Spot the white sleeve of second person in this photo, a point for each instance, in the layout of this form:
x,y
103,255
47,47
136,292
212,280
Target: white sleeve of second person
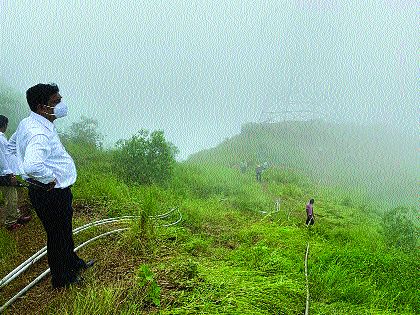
x,y
37,151
11,156
4,165
11,146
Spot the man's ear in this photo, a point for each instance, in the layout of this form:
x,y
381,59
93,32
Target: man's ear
x,y
38,108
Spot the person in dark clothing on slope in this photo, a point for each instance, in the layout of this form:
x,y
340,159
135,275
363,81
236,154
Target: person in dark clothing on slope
x,y
310,213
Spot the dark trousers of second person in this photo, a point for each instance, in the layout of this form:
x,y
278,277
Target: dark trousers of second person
x,y
310,220
54,209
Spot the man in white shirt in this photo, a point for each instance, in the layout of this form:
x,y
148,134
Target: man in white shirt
x,y
11,217
50,172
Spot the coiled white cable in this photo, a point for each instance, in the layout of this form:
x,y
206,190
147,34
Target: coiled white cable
x,y
42,252
42,275
37,256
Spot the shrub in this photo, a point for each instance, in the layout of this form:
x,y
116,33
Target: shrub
x,y
12,105
181,273
146,281
284,176
84,132
399,228
145,158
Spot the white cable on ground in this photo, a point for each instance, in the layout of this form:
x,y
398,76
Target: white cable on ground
x,y
165,215
277,206
42,252
307,282
176,222
42,275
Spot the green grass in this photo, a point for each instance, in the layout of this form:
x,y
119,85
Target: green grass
x,y
228,258
7,249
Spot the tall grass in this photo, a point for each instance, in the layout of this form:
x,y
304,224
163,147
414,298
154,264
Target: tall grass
x,y
7,250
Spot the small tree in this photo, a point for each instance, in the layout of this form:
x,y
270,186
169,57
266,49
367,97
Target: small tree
x,y
145,158
13,106
85,132
399,228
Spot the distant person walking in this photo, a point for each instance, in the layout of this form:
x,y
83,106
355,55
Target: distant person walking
x,y
310,213
258,172
10,217
50,172
243,166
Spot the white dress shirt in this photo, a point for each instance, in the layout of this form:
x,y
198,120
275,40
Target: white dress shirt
x,y
5,167
40,153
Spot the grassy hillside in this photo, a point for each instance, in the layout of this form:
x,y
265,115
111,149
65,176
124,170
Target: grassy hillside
x,y
227,256
378,161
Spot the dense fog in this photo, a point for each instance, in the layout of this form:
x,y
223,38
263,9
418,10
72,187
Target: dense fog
x,y
199,70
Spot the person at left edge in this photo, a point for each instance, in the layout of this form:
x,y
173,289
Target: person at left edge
x,y
50,172
11,218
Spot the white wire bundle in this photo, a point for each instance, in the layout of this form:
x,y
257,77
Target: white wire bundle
x,y
42,252
42,275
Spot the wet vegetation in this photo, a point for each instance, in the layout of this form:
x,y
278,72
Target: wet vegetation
x,y
378,162
230,254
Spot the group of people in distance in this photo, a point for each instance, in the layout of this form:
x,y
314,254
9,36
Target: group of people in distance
x,y
309,206
35,153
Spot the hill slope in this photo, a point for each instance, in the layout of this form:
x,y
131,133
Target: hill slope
x,y
229,254
373,160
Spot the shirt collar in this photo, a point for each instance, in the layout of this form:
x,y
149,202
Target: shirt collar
x,y
44,121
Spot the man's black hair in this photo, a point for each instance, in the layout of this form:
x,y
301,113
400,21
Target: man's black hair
x,y
311,201
40,94
3,121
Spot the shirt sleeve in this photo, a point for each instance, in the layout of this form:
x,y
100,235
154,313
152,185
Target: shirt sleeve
x,y
309,209
11,155
4,165
11,146
37,151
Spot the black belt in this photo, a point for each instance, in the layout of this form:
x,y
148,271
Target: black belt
x,y
36,184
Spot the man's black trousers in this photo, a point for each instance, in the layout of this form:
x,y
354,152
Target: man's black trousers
x,y
54,209
310,220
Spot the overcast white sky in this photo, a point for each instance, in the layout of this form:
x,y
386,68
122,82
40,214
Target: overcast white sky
x,y
199,69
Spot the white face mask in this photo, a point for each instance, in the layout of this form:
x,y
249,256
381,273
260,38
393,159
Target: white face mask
x,y
60,110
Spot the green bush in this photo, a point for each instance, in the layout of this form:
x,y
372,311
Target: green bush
x,y
146,281
84,132
145,158
182,273
284,176
399,228
12,105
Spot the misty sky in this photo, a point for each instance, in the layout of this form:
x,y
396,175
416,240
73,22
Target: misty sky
x,y
199,69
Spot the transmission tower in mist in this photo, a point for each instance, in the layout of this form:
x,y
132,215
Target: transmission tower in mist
x,y
286,111
296,104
